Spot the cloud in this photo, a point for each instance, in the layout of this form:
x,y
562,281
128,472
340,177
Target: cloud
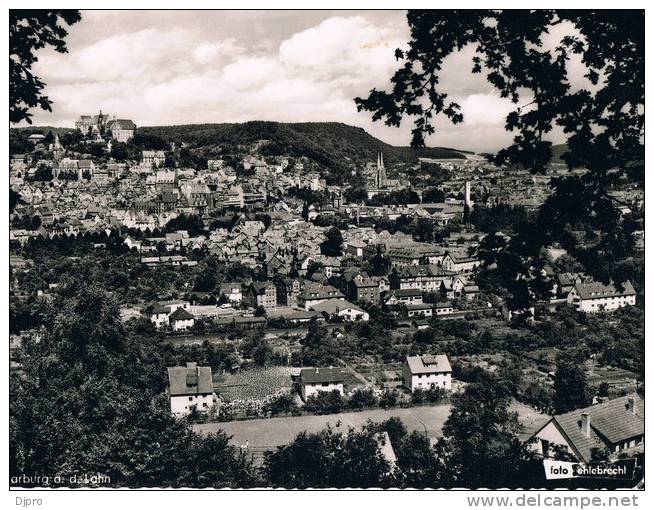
x,y
210,51
182,73
175,75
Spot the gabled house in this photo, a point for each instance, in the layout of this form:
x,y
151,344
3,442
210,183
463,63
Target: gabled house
x,y
231,291
263,294
288,291
181,320
427,372
342,309
617,425
314,293
315,380
460,263
190,388
403,296
364,288
596,297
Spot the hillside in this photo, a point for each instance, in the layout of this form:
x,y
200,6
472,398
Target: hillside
x,y
334,146
330,144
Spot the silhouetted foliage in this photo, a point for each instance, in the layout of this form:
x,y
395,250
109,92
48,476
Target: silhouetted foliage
x,y
29,31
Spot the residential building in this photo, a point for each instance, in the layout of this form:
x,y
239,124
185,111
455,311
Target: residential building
x,y
403,296
263,294
153,159
419,310
231,291
594,297
363,288
341,308
443,308
427,277
315,380
314,293
617,425
427,372
460,263
190,388
181,320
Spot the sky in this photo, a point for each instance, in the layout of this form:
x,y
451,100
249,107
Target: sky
x,y
186,67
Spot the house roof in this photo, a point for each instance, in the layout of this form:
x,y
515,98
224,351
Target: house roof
x,y
419,306
597,290
155,309
321,375
262,287
122,124
332,306
405,292
313,290
423,270
610,423
180,315
189,380
429,364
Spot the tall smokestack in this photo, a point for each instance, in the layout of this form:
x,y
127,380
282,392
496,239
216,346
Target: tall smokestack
x,y
467,194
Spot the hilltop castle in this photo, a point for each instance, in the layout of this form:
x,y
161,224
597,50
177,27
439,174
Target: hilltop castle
x,y
97,125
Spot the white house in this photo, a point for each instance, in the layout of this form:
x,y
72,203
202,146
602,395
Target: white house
x,y
315,380
419,310
153,159
617,425
443,308
232,292
341,308
157,314
160,313
596,297
181,320
190,388
121,129
427,372
459,264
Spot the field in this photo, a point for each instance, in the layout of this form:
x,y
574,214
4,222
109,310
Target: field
x,y
254,383
268,433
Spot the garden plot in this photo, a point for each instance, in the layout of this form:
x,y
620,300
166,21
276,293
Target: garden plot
x,y
253,384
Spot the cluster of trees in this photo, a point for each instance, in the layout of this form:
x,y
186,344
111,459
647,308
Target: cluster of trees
x,y
87,383
502,217
480,447
400,197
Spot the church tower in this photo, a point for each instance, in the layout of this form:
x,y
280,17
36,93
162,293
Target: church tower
x,y
380,180
57,149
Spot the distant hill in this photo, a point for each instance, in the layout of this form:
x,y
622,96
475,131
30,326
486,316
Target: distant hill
x,y
334,146
44,129
327,143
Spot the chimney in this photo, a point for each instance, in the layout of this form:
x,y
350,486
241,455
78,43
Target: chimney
x,y
191,364
585,424
631,405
